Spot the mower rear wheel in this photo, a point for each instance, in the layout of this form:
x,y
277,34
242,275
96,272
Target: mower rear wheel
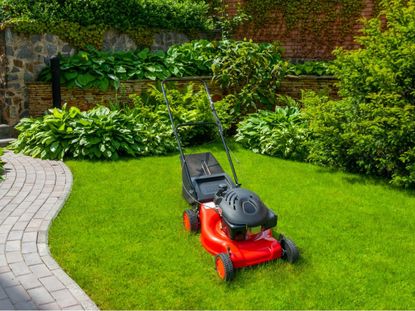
x,y
290,251
224,267
190,220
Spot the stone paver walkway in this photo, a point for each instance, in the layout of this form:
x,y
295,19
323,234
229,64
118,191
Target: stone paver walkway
x,y
31,195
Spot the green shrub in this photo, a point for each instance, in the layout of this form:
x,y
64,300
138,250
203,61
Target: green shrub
x,y
188,104
317,68
96,69
117,14
282,133
104,133
192,58
250,72
372,130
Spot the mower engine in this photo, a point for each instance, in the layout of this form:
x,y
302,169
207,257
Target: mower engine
x,y
243,213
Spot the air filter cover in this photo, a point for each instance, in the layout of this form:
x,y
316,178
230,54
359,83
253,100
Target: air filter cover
x,y
243,207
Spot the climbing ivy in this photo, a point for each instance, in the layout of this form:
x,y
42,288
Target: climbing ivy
x,y
327,20
83,23
308,13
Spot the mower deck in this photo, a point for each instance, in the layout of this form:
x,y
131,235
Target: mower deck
x,y
259,248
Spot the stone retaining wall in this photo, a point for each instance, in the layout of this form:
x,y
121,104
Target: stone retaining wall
x,y
3,68
22,57
40,94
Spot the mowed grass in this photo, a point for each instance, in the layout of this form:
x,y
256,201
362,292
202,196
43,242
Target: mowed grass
x,y
120,237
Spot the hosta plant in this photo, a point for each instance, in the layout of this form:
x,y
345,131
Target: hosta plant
x,y
282,133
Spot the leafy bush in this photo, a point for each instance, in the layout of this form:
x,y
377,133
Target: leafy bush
x,y
95,69
282,133
373,129
192,58
104,133
250,72
100,133
317,68
118,14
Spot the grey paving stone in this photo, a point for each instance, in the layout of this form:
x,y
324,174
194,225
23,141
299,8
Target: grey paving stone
x,y
50,262
29,281
15,235
20,225
17,294
26,305
76,307
32,259
40,295
63,277
29,236
52,284
29,247
4,268
64,298
2,293
13,257
5,304
8,279
42,249
10,220
12,246
40,270
49,306
19,268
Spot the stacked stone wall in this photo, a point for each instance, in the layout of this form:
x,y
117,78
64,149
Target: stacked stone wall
x,y
22,57
3,68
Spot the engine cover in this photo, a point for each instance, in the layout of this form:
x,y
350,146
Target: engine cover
x,y
242,209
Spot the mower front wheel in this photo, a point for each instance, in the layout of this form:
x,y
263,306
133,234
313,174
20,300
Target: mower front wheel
x,y
224,267
290,251
190,220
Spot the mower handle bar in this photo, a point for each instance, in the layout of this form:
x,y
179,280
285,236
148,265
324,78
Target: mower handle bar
x,y
214,113
193,123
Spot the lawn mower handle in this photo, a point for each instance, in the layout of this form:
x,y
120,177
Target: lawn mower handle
x,y
214,113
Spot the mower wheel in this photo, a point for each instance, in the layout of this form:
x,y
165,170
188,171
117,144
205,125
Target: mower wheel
x,y
190,220
224,267
290,251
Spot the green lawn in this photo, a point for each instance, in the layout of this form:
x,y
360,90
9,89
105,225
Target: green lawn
x,y
120,237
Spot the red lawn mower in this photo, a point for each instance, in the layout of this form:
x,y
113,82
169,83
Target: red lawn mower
x,y
235,225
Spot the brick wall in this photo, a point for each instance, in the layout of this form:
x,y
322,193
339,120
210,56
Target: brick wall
x,y
303,44
293,85
40,94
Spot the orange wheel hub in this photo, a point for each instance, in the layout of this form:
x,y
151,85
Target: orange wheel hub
x,y
220,268
186,222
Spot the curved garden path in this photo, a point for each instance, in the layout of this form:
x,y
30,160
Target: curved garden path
x,y
31,195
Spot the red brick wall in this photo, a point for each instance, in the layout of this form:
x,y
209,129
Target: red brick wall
x,y
293,85
40,94
303,44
